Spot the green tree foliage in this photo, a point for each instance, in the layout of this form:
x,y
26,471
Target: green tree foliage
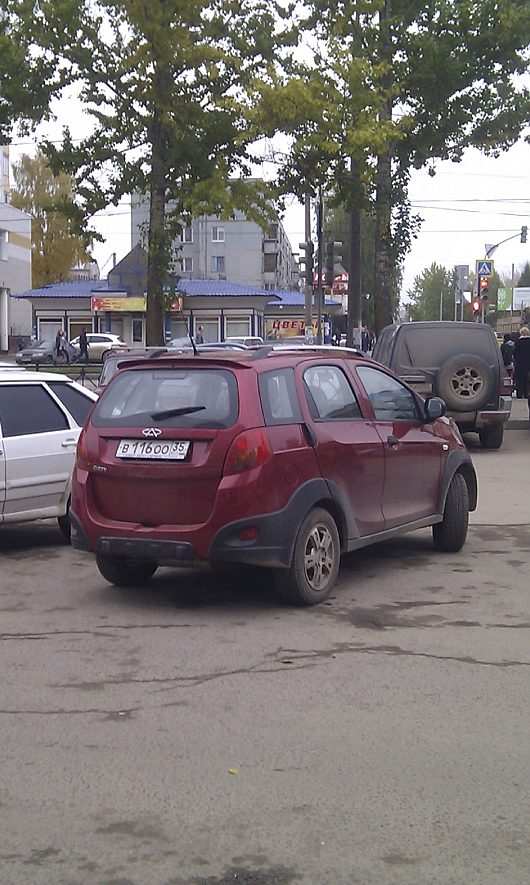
x,y
432,296
29,78
166,84
400,84
46,197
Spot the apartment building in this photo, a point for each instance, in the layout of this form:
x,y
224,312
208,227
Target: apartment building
x,y
15,262
235,249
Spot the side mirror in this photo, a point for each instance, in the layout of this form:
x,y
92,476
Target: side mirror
x,y
434,408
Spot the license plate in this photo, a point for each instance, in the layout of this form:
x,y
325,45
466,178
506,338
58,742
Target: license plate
x,y
171,450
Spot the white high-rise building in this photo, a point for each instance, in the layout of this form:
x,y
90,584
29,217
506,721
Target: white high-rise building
x,y
15,262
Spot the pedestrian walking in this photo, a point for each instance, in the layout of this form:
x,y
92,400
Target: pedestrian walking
x,y
199,338
58,339
63,355
83,346
522,364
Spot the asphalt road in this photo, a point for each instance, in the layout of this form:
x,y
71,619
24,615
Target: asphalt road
x,y
199,732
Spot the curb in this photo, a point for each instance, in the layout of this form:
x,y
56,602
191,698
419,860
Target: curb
x,y
516,424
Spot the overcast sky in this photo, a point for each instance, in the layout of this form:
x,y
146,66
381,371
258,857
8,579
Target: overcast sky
x,y
465,206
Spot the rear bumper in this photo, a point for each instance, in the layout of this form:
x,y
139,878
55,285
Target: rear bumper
x,y
483,417
275,535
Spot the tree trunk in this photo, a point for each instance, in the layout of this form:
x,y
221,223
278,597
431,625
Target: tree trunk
x,y
157,253
382,277
383,199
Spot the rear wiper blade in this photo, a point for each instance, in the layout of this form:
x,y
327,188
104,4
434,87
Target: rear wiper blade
x,y
173,413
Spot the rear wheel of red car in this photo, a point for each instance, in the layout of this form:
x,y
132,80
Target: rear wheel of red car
x,y
316,560
125,572
450,534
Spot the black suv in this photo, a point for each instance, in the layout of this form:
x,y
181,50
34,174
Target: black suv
x,y
458,361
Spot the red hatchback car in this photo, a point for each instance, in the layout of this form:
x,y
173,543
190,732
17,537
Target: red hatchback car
x,y
275,457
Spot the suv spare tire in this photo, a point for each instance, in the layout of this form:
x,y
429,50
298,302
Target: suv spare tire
x,y
464,382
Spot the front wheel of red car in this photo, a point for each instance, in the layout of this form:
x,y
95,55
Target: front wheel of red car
x,y
450,534
316,560
125,572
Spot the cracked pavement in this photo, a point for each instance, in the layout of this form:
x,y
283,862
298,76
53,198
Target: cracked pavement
x,y
197,730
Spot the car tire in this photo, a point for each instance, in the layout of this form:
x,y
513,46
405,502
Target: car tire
x,y
316,559
491,437
125,572
450,534
464,382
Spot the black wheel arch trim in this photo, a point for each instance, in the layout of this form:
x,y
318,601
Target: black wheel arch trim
x,y
277,531
459,462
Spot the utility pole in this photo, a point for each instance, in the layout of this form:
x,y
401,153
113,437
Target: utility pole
x,y
319,293
308,288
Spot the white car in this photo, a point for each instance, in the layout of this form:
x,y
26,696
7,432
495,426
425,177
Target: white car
x,y
248,341
41,415
99,343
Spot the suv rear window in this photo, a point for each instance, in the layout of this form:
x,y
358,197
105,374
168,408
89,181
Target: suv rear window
x,y
170,397
432,347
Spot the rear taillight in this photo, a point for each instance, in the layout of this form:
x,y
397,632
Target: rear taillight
x,y
81,460
250,449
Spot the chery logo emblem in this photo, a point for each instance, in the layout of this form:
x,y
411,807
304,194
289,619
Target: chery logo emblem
x,y
151,431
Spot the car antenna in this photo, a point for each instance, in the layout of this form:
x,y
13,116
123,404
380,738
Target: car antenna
x,y
190,336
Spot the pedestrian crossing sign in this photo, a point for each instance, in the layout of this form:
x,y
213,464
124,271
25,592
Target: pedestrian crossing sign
x,y
484,267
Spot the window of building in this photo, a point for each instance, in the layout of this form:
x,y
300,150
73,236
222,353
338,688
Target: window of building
x,y
186,264
186,235
273,231
270,262
218,234
218,264
210,328
237,327
4,240
137,331
5,165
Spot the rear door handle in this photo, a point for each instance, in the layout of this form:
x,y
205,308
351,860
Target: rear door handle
x,y
392,440
68,443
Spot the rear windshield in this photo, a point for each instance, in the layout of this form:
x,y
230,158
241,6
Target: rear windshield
x,y
431,347
169,398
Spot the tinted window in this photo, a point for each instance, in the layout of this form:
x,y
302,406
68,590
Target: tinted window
x,y
390,400
278,397
432,347
29,409
76,402
329,395
169,397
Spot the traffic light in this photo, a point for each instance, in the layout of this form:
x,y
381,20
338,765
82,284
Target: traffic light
x,y
484,288
306,262
331,260
476,306
524,231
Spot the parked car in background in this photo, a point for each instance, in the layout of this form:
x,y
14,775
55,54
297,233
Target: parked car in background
x,y
248,341
41,415
99,343
114,358
277,458
43,353
460,362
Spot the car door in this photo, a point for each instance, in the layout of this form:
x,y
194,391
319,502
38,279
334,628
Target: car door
x,y
413,451
38,450
349,448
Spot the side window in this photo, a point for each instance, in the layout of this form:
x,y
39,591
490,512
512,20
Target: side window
x,y
278,397
76,402
329,395
390,400
26,409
